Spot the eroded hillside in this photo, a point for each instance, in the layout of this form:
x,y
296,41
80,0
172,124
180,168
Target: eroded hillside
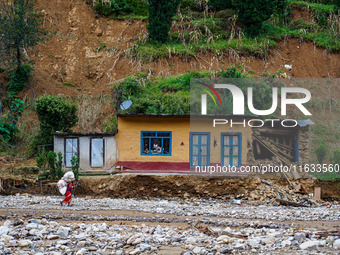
x,y
91,52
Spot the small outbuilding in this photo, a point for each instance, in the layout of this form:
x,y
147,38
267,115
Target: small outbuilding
x,y
94,150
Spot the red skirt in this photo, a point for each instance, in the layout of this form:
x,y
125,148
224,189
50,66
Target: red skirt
x,y
68,197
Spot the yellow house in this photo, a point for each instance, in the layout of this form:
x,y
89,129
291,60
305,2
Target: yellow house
x,y
180,142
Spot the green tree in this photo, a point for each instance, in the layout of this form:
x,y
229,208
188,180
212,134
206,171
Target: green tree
x,y
20,28
54,114
161,13
252,14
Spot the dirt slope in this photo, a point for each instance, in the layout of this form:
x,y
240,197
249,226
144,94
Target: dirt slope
x,y
168,186
72,53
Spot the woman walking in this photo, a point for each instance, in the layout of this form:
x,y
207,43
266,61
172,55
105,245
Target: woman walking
x,y
69,179
68,194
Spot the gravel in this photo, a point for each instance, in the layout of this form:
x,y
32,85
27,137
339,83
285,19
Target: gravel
x,y
184,226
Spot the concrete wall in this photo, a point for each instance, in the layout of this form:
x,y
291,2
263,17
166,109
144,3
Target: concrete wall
x,y
84,152
110,151
111,154
129,138
58,143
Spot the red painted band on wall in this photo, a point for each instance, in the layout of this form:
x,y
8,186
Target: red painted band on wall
x,y
144,165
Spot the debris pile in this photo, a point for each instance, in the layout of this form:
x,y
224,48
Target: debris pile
x,y
271,193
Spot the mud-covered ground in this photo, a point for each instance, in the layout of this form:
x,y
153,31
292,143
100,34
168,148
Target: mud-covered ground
x,y
39,225
181,186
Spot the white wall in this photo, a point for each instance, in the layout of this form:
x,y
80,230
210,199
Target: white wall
x,y
58,143
111,155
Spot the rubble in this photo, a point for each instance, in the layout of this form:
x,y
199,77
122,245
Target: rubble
x,y
269,192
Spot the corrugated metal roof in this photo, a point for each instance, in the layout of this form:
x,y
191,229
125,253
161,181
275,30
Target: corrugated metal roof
x,y
304,123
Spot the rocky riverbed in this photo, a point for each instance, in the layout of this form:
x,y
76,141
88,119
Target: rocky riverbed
x,y
39,225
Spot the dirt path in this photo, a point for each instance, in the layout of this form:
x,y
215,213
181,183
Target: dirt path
x,y
165,220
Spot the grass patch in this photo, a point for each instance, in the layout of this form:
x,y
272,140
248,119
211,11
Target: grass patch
x,y
315,7
130,17
327,176
217,33
172,95
156,95
257,46
151,52
101,47
69,84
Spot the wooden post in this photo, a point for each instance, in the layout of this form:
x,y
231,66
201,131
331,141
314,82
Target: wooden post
x,y
317,192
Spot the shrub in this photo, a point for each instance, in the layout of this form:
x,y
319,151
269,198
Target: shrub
x,y
113,7
196,6
51,160
54,114
139,7
50,165
111,125
8,127
161,13
59,165
252,14
7,131
320,151
7,149
231,72
18,78
221,4
177,103
75,167
281,6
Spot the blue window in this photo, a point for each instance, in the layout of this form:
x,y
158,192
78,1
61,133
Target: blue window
x,y
231,149
199,149
156,143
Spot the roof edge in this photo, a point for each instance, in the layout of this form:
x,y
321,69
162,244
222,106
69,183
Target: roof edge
x,y
83,134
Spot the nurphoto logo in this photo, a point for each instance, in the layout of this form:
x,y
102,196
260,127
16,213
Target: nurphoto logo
x,y
280,96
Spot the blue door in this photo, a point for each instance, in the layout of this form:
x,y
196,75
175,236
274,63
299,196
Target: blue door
x,y
231,149
199,149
